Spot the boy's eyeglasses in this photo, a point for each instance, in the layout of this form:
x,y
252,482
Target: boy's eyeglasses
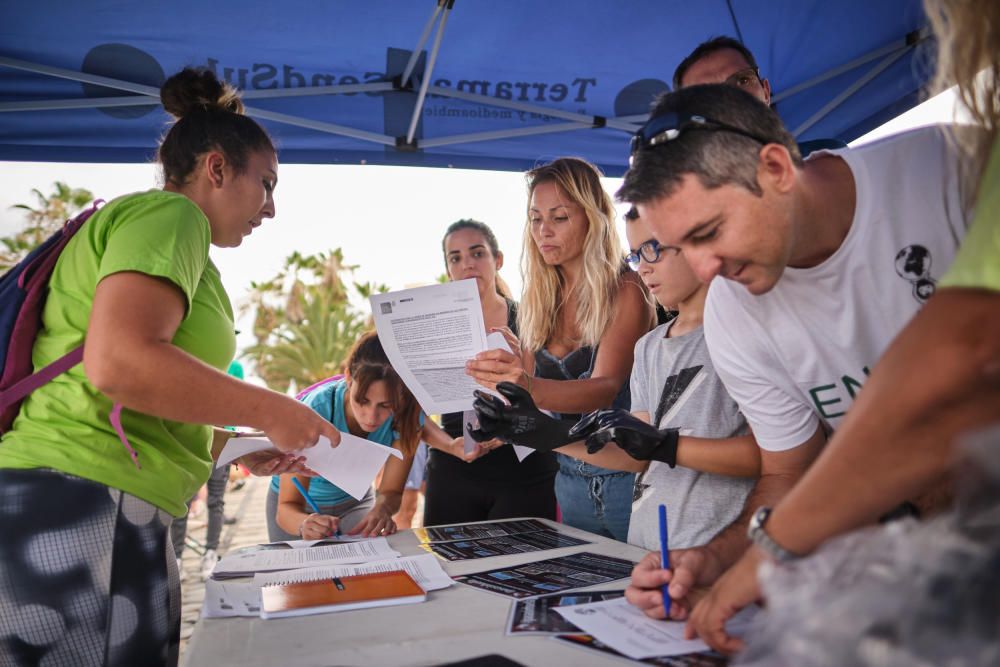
x,y
650,251
669,126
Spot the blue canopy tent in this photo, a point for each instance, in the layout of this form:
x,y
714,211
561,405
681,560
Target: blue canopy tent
x,y
463,83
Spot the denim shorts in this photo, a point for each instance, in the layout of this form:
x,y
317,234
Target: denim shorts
x,y
594,499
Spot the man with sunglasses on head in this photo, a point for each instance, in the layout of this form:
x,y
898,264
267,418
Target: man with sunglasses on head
x,y
821,263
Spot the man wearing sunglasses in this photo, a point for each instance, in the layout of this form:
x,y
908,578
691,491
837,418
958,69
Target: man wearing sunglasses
x,y
723,60
822,262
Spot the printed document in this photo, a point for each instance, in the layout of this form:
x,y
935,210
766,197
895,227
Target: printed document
x,y
225,599
425,570
429,333
351,465
246,563
626,629
494,341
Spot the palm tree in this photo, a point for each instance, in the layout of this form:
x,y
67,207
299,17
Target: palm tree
x,y
304,322
42,220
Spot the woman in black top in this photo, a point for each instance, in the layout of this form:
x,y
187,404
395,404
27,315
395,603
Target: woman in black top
x,y
494,485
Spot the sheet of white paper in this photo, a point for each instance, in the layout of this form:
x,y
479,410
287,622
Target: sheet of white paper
x,y
425,570
237,447
271,560
496,341
351,465
627,630
305,544
227,598
429,333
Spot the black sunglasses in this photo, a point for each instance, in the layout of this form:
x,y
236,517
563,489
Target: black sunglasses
x,y
667,127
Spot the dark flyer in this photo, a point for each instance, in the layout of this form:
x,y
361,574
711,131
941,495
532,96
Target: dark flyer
x,y
503,546
537,616
551,575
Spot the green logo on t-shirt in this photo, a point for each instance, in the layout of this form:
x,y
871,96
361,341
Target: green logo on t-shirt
x,y
827,395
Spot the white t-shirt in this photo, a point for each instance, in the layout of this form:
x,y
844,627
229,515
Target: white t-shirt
x,y
796,356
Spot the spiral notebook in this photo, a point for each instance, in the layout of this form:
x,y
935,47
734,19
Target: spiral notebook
x,y
379,589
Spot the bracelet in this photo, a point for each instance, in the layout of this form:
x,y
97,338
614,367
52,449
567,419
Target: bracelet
x,y
529,379
301,525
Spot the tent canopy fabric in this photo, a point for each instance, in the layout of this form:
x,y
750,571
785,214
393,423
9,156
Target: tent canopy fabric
x,y
493,85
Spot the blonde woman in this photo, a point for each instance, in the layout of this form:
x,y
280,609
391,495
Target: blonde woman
x,y
581,313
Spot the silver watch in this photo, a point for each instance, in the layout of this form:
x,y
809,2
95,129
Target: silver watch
x,y
757,535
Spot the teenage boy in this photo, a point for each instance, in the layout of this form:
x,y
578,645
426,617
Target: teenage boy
x,y
698,458
823,262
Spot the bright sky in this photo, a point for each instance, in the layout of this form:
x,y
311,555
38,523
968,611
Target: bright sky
x,y
388,220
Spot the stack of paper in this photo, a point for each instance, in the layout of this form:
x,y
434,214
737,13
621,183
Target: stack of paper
x,y
247,563
224,598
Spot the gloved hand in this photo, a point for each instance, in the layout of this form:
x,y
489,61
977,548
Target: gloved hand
x,y
520,422
639,440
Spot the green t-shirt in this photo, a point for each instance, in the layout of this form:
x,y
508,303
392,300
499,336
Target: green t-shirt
x,y
978,261
64,424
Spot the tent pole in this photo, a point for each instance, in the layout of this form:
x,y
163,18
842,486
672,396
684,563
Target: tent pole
x,y
505,134
415,55
60,73
431,59
143,100
910,41
616,123
850,90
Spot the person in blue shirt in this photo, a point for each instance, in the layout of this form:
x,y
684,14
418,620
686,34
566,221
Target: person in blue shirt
x,y
371,402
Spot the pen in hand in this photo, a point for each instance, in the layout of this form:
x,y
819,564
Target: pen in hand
x,y
664,558
309,501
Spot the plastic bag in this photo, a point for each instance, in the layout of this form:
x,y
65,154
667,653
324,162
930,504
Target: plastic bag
x,y
907,593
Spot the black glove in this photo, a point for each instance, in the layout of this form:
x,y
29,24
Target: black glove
x,y
639,440
520,422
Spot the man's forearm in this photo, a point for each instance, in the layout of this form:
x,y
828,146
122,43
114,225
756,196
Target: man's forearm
x,y
897,440
730,544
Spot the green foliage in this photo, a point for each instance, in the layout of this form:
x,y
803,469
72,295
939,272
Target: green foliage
x,y
42,220
304,322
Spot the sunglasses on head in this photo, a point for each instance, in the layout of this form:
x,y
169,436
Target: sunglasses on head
x,y
667,127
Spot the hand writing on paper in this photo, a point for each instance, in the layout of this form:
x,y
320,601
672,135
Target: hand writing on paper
x,y
319,526
736,589
377,522
694,570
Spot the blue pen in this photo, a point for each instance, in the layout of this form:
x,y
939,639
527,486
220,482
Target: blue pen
x,y
664,556
305,494
309,501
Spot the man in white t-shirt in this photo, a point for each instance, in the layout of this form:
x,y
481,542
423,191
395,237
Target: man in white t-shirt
x,y
824,261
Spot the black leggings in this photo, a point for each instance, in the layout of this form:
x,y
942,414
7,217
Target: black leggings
x,y
461,499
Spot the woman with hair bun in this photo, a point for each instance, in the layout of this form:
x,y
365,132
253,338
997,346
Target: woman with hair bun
x,y
87,576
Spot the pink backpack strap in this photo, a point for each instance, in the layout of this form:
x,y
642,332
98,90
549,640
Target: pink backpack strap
x,y
116,421
26,385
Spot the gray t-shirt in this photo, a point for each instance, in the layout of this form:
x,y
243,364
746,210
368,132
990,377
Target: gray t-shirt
x,y
674,381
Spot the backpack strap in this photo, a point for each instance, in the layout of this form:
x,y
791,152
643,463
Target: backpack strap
x,y
30,383
116,421
26,385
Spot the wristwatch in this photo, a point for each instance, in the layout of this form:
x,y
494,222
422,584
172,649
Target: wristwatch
x,y
757,535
